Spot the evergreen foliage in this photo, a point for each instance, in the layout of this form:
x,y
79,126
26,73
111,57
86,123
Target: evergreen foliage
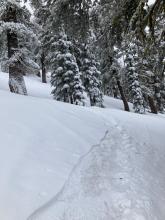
x,y
133,80
66,77
115,48
92,78
15,25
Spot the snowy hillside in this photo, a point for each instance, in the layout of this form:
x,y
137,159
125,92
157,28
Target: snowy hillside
x,y
64,162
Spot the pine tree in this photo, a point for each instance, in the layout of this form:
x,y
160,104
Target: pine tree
x,y
146,76
14,22
42,29
115,73
74,15
92,78
133,80
150,63
158,49
65,77
3,49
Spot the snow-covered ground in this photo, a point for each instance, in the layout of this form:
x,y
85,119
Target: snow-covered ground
x,y
65,162
34,86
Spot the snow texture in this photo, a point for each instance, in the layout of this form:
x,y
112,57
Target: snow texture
x,y
117,179
53,165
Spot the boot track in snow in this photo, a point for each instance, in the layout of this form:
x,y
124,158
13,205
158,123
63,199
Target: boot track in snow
x,y
106,184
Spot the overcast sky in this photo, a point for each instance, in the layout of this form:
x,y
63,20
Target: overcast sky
x,y
151,1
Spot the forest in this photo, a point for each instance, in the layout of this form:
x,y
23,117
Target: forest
x,y
82,103
90,47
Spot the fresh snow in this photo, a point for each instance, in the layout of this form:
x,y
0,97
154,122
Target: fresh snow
x,y
65,162
34,86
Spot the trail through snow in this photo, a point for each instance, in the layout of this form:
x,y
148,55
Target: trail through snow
x,y
107,184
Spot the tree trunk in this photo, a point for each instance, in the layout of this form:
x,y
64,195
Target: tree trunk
x,y
39,74
123,97
115,92
152,105
43,68
16,80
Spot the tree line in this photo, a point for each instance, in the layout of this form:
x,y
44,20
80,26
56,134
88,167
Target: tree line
x,y
100,47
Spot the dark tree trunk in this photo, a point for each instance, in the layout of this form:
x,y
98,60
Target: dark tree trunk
x,y
16,80
158,97
152,105
115,92
92,102
43,68
39,74
71,99
123,97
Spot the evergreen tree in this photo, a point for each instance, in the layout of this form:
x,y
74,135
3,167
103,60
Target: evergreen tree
x,y
73,15
125,36
66,78
92,78
42,29
158,50
3,54
115,74
14,22
146,76
133,80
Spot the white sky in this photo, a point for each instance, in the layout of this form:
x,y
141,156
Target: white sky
x,y
151,2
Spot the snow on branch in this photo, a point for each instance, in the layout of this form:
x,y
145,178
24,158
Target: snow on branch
x,y
18,28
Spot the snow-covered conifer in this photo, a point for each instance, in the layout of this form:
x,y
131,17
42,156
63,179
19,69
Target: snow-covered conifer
x,y
133,80
14,22
116,78
92,78
43,24
65,77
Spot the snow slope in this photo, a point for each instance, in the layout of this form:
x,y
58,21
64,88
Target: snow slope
x,y
41,141
64,162
122,178
33,83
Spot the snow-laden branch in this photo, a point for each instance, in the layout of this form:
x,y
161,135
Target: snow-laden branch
x,y
18,28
